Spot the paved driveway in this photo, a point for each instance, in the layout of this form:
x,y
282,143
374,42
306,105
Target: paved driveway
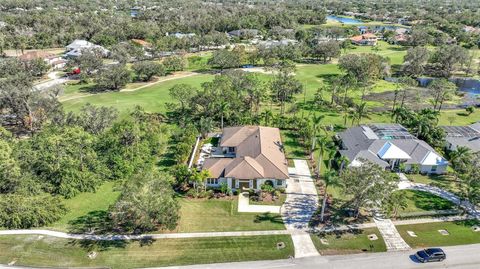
x,y
300,205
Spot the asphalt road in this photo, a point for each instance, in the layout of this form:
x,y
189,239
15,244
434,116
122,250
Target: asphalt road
x,y
461,257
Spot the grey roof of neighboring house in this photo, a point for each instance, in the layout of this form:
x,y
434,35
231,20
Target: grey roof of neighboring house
x,y
464,136
366,141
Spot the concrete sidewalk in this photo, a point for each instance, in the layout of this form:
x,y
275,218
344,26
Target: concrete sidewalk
x,y
114,237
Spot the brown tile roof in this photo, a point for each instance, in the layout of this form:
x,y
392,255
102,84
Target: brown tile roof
x,y
35,55
142,43
359,38
259,154
216,166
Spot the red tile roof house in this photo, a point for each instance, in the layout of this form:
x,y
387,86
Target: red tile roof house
x,y
365,40
247,158
55,61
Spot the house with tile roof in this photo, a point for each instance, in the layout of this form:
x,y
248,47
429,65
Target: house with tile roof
x,y
463,136
367,39
53,60
248,157
390,146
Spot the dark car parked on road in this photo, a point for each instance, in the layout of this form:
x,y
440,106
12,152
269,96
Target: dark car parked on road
x,y
431,255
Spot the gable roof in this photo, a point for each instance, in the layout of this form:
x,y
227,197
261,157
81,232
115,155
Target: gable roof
x,y
259,154
380,142
390,151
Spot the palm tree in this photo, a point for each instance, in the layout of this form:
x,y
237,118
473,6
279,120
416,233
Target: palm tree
x,y
330,179
223,109
323,143
267,115
361,111
316,126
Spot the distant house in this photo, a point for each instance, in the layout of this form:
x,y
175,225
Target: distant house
x,y
181,35
391,146
277,43
134,11
244,33
365,40
248,157
55,61
75,48
471,30
463,136
143,43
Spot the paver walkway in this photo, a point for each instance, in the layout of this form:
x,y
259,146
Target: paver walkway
x,y
245,206
300,205
392,238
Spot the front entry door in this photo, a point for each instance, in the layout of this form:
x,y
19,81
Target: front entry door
x,y
243,185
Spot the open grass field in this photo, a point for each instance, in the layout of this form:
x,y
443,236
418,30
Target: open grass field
x,y
348,243
460,233
152,99
42,251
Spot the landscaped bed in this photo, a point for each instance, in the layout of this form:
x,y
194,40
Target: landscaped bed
x,y
428,235
349,242
34,250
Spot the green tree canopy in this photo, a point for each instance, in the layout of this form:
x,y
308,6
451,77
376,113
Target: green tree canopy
x,y
147,203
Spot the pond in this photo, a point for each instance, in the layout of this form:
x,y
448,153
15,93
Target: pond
x,y
469,85
344,20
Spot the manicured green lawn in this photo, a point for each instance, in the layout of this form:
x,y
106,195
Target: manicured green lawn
x,y
347,243
216,215
86,206
419,201
54,252
152,99
460,233
293,148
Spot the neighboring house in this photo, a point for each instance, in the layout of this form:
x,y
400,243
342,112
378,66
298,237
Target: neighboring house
x,y
471,30
181,35
463,136
390,146
365,40
248,157
277,43
75,48
54,61
245,34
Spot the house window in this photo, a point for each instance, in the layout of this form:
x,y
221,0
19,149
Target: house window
x,y
434,168
279,182
212,181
